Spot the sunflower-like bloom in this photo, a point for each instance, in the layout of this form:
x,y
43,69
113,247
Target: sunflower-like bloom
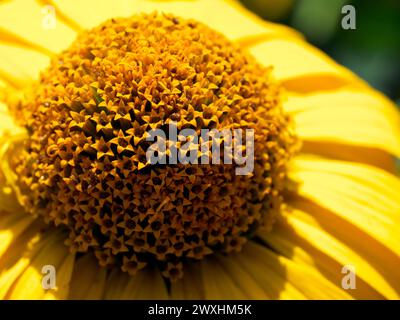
x,y
80,85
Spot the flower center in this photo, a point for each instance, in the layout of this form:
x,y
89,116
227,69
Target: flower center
x,y
84,166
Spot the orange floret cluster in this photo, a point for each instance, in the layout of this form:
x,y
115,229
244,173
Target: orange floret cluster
x,y
84,165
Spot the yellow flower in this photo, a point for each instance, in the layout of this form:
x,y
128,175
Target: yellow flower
x,y
341,202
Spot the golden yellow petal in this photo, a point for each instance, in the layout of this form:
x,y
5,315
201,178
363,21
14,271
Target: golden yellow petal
x,y
88,280
22,65
270,276
8,129
354,117
8,200
10,38
303,281
235,22
27,20
146,284
218,284
225,278
245,281
3,86
15,260
236,276
7,124
11,226
90,13
61,15
64,274
365,196
380,257
190,286
33,30
9,133
29,284
353,153
310,244
9,204
8,277
295,61
19,255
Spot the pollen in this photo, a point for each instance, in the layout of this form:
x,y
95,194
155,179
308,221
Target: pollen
x,y
83,167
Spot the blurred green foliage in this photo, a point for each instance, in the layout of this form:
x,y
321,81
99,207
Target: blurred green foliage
x,y
372,50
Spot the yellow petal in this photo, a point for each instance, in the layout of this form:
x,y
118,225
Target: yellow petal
x,y
3,86
26,19
29,284
146,284
360,118
30,31
8,277
190,286
11,226
378,255
64,274
304,279
20,65
310,244
61,15
10,38
353,153
246,282
300,66
217,283
8,201
7,124
9,134
90,13
367,197
236,276
88,280
221,282
235,22
270,274
18,257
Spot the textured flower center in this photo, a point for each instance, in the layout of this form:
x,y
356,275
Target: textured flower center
x,y
84,165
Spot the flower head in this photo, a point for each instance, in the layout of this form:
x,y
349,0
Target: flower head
x,y
84,165
78,192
